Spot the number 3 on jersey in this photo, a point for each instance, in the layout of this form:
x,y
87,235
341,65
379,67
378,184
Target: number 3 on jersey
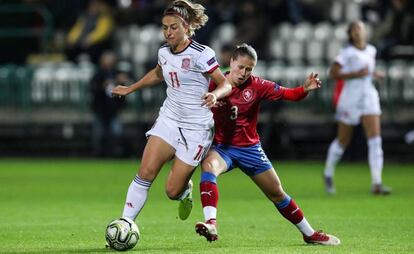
x,y
174,79
234,112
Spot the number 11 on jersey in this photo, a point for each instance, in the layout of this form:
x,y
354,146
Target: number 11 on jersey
x,y
174,79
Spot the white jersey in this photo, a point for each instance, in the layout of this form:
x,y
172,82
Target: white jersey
x,y
359,95
185,75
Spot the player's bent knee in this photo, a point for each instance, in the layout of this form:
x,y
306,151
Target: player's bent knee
x,y
172,193
207,166
277,195
147,174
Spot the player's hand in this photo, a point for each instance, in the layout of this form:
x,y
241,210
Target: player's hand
x,y
219,103
120,91
312,82
362,73
209,100
380,75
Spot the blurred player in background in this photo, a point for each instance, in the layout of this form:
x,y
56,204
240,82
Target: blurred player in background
x,y
237,144
183,130
357,102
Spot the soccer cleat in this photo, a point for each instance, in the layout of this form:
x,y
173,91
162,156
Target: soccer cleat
x,y
207,229
186,204
379,189
321,238
329,185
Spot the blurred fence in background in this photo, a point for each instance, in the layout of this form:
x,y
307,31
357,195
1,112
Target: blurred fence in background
x,y
65,86
44,108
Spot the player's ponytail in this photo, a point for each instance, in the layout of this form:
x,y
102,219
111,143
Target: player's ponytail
x,y
191,14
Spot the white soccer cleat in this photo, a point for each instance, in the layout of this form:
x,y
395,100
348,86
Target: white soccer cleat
x,y
379,189
186,204
207,229
321,238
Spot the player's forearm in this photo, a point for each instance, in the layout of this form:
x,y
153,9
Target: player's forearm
x,y
294,94
150,79
222,90
344,76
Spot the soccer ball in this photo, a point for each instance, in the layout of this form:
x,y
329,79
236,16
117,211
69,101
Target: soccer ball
x,y
122,234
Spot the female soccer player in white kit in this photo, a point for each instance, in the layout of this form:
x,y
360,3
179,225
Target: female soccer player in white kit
x,y
183,129
358,102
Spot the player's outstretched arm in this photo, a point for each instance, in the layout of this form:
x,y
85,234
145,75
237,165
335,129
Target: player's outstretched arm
x,y
312,82
153,77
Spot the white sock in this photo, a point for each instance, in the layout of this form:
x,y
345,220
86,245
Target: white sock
x,y
136,197
375,159
305,227
335,153
210,212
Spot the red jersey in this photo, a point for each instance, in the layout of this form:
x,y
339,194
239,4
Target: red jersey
x,y
236,120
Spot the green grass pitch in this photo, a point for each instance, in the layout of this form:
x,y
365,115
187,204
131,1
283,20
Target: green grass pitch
x,y
63,206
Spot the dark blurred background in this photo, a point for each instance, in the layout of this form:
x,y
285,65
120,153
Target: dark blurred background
x,y
60,58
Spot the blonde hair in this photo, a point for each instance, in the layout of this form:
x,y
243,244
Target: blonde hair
x,y
190,13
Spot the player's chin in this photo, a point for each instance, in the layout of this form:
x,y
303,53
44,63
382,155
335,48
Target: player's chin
x,y
240,81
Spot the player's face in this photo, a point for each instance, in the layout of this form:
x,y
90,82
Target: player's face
x,y
240,69
174,30
358,33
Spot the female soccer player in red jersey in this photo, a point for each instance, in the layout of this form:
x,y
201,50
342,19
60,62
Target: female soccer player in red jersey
x,y
237,144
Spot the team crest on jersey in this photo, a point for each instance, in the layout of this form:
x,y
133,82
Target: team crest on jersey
x,y
247,94
185,64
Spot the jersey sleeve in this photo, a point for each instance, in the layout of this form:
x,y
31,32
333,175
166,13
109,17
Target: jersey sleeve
x,y
159,57
269,90
273,91
341,57
207,62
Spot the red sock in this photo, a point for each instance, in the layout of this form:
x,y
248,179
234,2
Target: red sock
x,y
292,212
209,194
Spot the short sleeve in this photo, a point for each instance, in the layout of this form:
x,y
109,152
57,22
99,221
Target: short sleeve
x,y
159,57
207,61
341,57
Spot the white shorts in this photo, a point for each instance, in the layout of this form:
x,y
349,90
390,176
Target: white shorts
x,y
190,145
351,106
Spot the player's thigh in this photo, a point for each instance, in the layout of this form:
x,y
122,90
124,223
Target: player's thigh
x,y
344,133
372,125
193,146
156,153
178,178
269,182
214,163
